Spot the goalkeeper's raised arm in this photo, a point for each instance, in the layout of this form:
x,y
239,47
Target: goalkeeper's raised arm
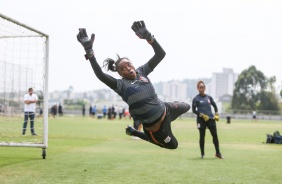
x,y
87,45
141,31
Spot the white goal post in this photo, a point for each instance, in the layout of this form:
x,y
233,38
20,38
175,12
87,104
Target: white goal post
x,y
23,65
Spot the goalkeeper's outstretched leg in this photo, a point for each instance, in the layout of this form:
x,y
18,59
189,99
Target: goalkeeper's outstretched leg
x,y
159,132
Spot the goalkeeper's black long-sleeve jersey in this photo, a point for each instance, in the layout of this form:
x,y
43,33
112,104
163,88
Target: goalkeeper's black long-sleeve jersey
x,y
111,82
139,93
202,104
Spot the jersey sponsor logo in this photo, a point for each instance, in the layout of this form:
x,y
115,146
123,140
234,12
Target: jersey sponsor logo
x,y
167,139
201,101
144,79
133,82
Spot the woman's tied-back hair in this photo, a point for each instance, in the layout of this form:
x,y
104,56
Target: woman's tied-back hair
x,y
200,82
111,64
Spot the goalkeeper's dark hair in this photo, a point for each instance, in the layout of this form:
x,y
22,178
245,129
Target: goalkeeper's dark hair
x,y
111,64
200,82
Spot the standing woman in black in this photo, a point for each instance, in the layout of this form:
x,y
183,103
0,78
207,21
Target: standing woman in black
x,y
201,106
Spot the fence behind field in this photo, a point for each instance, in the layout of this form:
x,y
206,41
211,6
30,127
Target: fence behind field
x,y
234,114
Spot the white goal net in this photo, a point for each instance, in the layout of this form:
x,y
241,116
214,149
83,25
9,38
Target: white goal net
x,y
23,65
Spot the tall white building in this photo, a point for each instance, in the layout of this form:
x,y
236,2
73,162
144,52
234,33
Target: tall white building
x,y
223,83
174,90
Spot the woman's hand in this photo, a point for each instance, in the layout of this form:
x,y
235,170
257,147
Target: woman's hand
x,y
141,31
86,42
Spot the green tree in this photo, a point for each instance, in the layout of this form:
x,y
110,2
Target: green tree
x,y
250,91
40,98
271,82
267,101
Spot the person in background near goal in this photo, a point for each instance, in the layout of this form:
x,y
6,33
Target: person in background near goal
x,y
137,91
254,116
83,110
90,110
201,105
60,110
93,111
126,113
120,113
104,111
30,100
110,112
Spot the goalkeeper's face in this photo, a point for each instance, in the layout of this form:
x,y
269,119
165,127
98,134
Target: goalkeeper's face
x,y
201,88
126,69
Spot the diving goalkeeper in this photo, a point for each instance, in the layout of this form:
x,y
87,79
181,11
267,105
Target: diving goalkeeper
x,y
136,89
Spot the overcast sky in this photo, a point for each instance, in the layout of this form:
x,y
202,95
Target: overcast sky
x,y
200,37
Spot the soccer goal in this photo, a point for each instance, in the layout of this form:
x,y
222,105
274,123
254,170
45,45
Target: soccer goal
x,y
23,65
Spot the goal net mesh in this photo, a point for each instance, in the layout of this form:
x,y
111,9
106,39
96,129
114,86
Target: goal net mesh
x,y
22,65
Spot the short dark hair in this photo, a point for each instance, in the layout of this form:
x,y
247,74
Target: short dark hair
x,y
30,89
200,82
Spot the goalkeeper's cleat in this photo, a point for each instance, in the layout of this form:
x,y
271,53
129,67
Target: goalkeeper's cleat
x,y
129,130
219,155
203,156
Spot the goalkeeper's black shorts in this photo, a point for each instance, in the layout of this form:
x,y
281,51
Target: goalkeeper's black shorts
x,y
164,137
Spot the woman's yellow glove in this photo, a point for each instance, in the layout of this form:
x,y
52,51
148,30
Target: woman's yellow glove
x,y
205,117
216,117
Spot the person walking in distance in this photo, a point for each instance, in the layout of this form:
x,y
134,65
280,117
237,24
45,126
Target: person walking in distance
x,y
30,100
136,89
201,106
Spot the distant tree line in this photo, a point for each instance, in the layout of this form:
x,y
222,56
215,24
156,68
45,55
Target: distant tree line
x,y
254,91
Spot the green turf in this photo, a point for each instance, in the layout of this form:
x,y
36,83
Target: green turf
x,y
86,150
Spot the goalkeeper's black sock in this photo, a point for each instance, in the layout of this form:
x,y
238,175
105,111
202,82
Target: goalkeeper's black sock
x,y
202,152
139,134
217,151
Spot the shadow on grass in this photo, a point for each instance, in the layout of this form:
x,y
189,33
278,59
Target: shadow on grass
x,y
6,160
206,158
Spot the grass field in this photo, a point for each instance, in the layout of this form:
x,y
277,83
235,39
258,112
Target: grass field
x,y
84,150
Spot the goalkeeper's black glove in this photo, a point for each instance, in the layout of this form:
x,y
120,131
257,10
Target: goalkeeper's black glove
x,y
141,31
86,42
204,116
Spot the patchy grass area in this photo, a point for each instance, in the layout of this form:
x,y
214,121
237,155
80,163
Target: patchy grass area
x,y
87,150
